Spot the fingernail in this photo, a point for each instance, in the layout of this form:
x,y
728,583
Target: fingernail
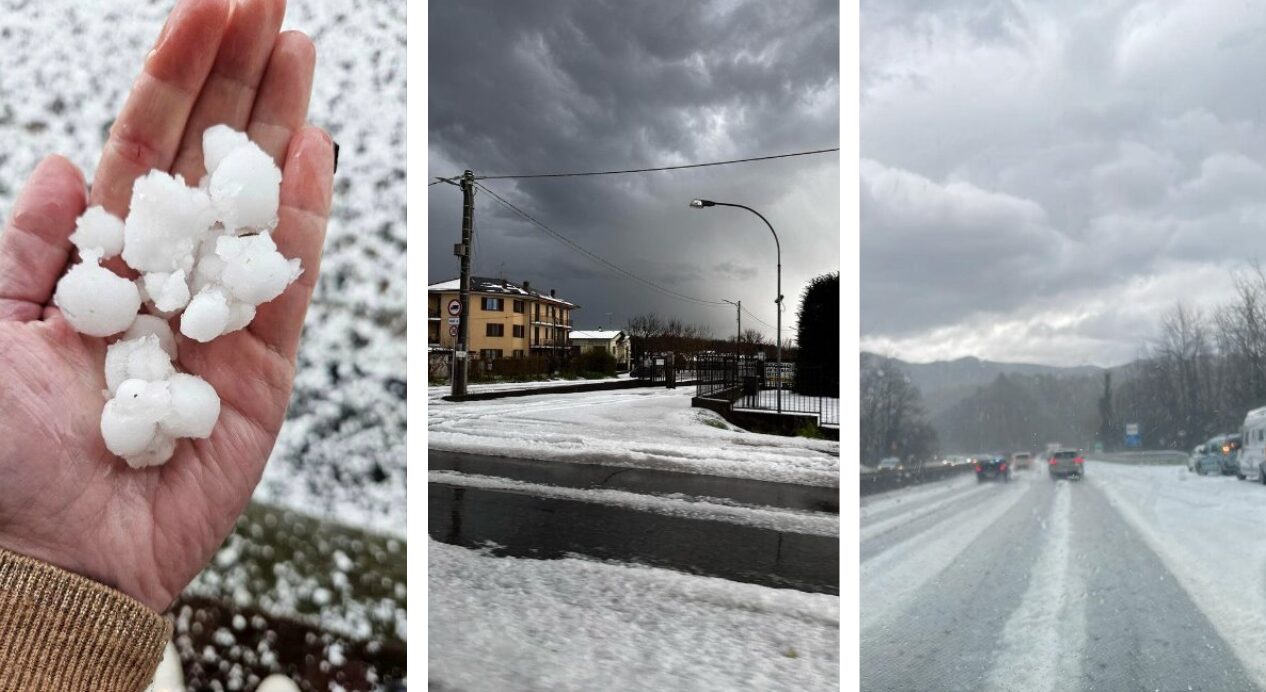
x,y
335,156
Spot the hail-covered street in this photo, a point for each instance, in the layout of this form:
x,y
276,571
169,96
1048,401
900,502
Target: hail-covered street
x,y
1135,578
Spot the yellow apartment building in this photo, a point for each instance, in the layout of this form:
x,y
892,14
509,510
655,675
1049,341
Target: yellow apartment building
x,y
506,320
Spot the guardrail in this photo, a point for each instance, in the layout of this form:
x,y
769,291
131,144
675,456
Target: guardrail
x,y
1152,458
882,481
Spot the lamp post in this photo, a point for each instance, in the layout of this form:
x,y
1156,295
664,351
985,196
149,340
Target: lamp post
x,y
703,203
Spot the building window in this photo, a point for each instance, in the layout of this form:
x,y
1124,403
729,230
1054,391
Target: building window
x,y
518,331
493,304
537,332
538,311
495,330
518,306
490,353
518,353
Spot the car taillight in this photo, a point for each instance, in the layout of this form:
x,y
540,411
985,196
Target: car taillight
x,y
1078,460
1002,466
1052,461
977,468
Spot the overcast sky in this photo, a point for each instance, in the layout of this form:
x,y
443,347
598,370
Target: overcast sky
x,y
582,85
1041,180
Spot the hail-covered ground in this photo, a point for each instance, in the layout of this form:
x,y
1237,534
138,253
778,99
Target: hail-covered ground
x,y
65,70
651,427
499,623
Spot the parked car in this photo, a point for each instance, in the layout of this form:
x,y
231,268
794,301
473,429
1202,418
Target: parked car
x,y
1221,455
1253,450
890,464
992,468
1021,460
1067,463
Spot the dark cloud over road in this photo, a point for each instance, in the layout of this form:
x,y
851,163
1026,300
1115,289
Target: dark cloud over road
x,y
580,85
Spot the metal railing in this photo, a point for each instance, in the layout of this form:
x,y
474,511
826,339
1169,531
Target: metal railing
x,y
758,385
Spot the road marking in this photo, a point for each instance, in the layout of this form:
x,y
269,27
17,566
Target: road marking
x,y
1044,635
894,577
875,528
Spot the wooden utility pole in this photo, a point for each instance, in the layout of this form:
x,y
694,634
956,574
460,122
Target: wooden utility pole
x,y
461,363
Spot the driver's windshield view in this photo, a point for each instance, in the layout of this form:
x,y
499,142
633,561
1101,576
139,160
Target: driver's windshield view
x,y
1063,346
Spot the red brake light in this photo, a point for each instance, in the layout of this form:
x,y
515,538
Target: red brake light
x,y
977,468
1078,460
1003,467
1052,461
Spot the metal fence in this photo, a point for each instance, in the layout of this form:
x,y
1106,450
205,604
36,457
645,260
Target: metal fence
x,y
759,385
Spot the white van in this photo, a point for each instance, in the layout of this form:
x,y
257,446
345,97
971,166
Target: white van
x,y
1253,449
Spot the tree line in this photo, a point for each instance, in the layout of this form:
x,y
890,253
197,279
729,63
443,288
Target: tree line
x,y
1203,372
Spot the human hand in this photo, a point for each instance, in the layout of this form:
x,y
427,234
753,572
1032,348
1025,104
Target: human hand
x,y
65,498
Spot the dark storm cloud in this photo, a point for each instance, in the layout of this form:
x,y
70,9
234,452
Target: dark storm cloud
x,y
583,85
1041,180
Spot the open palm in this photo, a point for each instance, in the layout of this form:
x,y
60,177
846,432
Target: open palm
x,y
65,498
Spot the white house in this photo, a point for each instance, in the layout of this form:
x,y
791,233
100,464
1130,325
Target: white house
x,y
614,342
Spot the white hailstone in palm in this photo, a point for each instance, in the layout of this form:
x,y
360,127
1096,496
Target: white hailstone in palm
x,y
166,223
254,272
208,267
145,325
246,188
95,300
142,358
194,408
129,421
99,230
168,291
160,450
218,141
240,315
206,315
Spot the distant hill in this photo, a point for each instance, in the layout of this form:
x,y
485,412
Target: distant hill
x,y
944,383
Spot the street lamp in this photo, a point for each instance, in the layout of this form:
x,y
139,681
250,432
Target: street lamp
x,y
700,204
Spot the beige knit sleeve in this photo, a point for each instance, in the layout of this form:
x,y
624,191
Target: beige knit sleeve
x,y
60,631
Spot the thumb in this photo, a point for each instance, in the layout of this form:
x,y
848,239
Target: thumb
x,y
35,245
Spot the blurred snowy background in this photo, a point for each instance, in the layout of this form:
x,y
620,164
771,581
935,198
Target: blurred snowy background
x,y
323,545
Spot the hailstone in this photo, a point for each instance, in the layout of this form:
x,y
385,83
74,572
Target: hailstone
x,y
195,406
95,300
206,316
146,325
246,189
98,230
166,223
142,358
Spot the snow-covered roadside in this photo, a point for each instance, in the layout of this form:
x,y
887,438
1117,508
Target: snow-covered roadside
x,y
796,521
573,624
437,391
640,428
1208,533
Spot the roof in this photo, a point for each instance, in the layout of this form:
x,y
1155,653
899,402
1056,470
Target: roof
x,y
483,284
597,335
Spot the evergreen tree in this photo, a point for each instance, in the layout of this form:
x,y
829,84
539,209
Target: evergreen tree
x,y
818,329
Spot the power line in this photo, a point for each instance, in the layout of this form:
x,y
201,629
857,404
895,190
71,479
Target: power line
x,y
657,168
572,244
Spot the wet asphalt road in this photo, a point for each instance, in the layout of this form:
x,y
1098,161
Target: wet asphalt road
x,y
1055,593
